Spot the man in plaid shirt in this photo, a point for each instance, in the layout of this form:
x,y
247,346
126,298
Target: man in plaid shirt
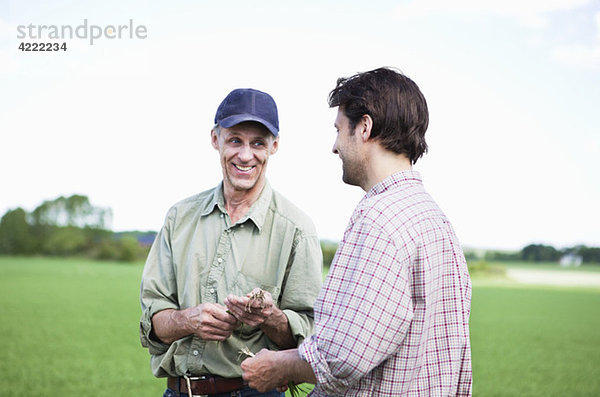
x,y
392,318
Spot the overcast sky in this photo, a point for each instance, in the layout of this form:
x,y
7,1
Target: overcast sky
x,y
513,89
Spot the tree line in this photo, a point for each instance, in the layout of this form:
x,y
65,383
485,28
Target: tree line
x,y
69,226
542,253
72,226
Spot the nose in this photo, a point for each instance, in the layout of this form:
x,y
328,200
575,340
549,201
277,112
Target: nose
x,y
245,153
334,148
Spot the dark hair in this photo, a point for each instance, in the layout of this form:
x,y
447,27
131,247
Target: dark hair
x,y
394,102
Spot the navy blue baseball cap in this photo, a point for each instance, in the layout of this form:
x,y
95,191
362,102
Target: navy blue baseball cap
x,y
247,104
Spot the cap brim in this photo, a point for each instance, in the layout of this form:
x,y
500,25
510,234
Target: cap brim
x,y
230,121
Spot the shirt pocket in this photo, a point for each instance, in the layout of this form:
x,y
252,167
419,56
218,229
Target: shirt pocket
x,y
244,284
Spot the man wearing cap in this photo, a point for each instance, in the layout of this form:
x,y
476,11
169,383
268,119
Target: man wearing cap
x,y
233,268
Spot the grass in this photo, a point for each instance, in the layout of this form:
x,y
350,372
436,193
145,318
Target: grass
x,y
70,327
535,342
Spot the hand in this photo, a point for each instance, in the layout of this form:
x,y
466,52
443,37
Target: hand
x,y
249,310
263,373
210,321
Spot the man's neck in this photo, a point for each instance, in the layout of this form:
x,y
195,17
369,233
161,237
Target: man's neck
x,y
383,163
238,202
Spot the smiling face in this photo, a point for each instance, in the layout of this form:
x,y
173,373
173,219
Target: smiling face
x,y
244,150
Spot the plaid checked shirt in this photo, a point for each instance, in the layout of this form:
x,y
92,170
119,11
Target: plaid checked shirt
x,y
393,316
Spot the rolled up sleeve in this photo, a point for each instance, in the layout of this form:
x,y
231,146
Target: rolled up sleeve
x,y
147,339
158,290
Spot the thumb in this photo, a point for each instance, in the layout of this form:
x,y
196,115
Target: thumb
x,y
246,364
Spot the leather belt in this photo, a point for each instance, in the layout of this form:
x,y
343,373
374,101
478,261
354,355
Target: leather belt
x,y
205,384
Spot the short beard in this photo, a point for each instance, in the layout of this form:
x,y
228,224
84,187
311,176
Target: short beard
x,y
353,174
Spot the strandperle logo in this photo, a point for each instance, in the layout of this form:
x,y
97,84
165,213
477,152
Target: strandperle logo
x,y
83,31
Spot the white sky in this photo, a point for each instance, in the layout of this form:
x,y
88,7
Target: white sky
x,y
513,89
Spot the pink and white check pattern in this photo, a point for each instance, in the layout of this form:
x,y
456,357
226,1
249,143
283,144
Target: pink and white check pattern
x,y
393,316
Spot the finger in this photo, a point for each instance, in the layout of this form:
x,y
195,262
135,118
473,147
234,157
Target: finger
x,y
254,291
227,327
257,313
232,299
246,364
217,328
220,314
267,296
252,319
260,353
259,303
237,305
259,306
213,326
236,312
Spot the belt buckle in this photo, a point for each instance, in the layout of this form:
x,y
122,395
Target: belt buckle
x,y
188,382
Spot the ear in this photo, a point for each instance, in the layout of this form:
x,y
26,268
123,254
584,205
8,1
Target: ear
x,y
274,145
214,139
364,127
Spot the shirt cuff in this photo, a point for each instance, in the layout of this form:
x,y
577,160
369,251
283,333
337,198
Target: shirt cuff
x,y
301,325
326,382
146,335
308,352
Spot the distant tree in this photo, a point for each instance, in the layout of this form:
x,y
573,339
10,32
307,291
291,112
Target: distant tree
x,y
65,241
107,249
130,249
328,248
540,253
15,233
75,210
588,254
502,256
68,226
591,254
471,255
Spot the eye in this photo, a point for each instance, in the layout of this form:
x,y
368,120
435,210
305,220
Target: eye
x,y
259,143
234,140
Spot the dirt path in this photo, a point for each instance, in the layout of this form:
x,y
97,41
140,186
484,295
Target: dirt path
x,y
554,277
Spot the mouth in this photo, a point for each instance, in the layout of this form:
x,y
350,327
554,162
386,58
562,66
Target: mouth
x,y
243,168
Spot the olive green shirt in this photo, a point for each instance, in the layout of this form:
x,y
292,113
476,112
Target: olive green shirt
x,y
199,256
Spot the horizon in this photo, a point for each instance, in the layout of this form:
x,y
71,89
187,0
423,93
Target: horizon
x,y
322,239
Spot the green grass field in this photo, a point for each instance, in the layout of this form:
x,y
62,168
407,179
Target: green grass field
x,y
70,327
535,342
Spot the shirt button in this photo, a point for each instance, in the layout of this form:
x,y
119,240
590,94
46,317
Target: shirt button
x,y
241,225
212,290
221,215
195,352
220,260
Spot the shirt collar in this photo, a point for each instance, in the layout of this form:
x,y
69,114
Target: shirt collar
x,y
257,212
399,178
